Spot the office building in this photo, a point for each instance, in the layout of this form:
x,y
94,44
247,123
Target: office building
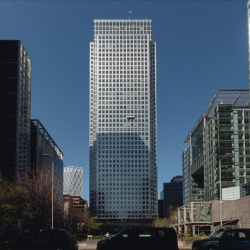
x,y
73,181
160,209
186,176
15,101
123,152
75,207
219,140
43,144
248,19
172,195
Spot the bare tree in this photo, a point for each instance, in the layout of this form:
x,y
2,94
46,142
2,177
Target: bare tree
x,y
38,187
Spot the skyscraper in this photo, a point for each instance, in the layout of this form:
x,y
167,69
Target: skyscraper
x,y
15,100
248,25
72,180
123,151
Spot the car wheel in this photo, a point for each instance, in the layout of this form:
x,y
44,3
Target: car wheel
x,y
211,248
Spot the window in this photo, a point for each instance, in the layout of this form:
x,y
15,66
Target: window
x,y
242,235
230,235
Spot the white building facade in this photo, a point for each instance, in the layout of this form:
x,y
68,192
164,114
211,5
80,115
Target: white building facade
x,y
123,146
73,180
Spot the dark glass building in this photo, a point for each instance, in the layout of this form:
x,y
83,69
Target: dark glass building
x,y
41,144
15,95
160,209
172,195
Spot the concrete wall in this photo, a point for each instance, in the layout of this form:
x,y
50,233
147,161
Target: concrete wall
x,y
242,210
230,210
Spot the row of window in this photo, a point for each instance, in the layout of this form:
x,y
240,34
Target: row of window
x,y
118,49
123,23
124,65
128,38
128,72
123,161
108,80
115,104
135,43
122,130
118,27
117,111
130,106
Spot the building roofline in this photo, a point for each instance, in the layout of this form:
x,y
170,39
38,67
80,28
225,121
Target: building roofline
x,y
122,20
47,136
211,105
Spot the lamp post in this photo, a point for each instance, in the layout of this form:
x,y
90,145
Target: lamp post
x,y
223,157
52,190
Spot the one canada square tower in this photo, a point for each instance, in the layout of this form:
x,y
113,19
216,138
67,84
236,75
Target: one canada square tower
x,y
123,143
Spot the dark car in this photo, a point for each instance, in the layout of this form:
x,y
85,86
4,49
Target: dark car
x,y
47,239
20,239
230,239
141,239
57,239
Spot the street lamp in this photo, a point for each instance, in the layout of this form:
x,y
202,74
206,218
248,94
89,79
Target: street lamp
x,y
52,190
223,157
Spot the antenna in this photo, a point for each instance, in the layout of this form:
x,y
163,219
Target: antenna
x,y
129,13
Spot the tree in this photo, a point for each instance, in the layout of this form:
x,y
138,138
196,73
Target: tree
x,y
29,199
14,202
161,222
38,187
173,212
167,221
90,223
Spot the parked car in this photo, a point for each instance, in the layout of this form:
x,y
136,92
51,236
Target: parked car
x,y
47,239
141,239
230,239
20,239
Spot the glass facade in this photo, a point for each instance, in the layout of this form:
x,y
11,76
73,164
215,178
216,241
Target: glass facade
x,y
222,130
15,101
123,156
186,176
73,180
42,143
248,19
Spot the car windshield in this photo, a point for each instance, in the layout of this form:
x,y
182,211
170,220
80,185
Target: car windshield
x,y
217,234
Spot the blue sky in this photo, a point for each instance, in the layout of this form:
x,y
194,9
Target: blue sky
x,y
202,46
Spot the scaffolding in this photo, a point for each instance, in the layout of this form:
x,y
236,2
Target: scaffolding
x,y
194,217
